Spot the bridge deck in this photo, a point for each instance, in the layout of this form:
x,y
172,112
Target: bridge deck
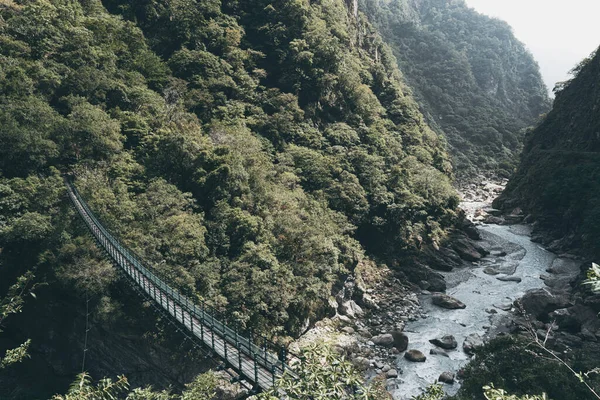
x,y
254,363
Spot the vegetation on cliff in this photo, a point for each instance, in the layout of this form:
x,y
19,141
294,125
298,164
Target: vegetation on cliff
x,y
558,179
475,82
256,152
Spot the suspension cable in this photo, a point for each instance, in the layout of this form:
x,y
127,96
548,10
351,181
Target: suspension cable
x,y
87,329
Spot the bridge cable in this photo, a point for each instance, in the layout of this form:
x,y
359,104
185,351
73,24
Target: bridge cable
x,y
87,328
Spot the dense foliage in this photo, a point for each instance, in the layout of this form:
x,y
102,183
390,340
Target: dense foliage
x,y
325,375
476,83
515,365
558,180
83,388
256,152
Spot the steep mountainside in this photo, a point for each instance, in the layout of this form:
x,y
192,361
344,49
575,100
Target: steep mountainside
x,y
558,180
475,82
256,152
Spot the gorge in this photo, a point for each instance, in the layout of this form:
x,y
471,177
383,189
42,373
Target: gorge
x,y
291,164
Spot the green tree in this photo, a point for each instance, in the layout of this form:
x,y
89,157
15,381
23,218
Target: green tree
x,y
323,375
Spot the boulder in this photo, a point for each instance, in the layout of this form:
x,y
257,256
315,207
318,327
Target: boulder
x,y
447,342
490,271
361,363
472,343
369,302
348,330
351,309
415,356
400,340
465,249
470,229
540,302
428,279
509,278
445,301
438,352
385,340
442,258
392,373
344,320
447,377
490,219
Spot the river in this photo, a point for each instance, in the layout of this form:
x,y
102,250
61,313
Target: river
x,y
487,300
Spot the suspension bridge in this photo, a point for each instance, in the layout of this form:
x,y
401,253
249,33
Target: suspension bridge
x,y
253,359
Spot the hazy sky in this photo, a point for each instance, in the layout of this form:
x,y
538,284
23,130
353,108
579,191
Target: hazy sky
x,y
559,33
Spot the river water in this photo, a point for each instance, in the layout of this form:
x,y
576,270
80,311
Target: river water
x,y
487,300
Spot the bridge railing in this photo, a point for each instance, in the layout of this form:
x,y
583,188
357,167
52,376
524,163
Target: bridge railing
x,y
257,348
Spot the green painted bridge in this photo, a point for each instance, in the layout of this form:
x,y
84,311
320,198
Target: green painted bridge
x,y
253,359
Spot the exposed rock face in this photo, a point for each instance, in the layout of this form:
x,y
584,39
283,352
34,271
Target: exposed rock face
x,y
467,249
560,160
472,343
415,356
442,258
540,302
447,342
445,301
427,278
351,309
470,229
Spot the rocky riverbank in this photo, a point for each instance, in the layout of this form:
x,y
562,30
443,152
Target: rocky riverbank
x,y
413,335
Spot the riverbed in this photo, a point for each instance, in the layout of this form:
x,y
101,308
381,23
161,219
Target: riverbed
x,y
488,302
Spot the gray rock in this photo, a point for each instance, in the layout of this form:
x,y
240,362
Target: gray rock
x,y
438,352
491,271
447,342
351,309
415,356
497,253
445,301
400,340
470,229
490,219
447,377
472,343
347,329
392,373
369,302
540,302
466,250
385,340
509,278
361,363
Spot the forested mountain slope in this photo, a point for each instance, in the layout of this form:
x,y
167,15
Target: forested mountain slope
x,y
476,83
558,180
256,152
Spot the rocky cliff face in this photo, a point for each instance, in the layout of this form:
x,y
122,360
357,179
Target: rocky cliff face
x,y
558,180
475,82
